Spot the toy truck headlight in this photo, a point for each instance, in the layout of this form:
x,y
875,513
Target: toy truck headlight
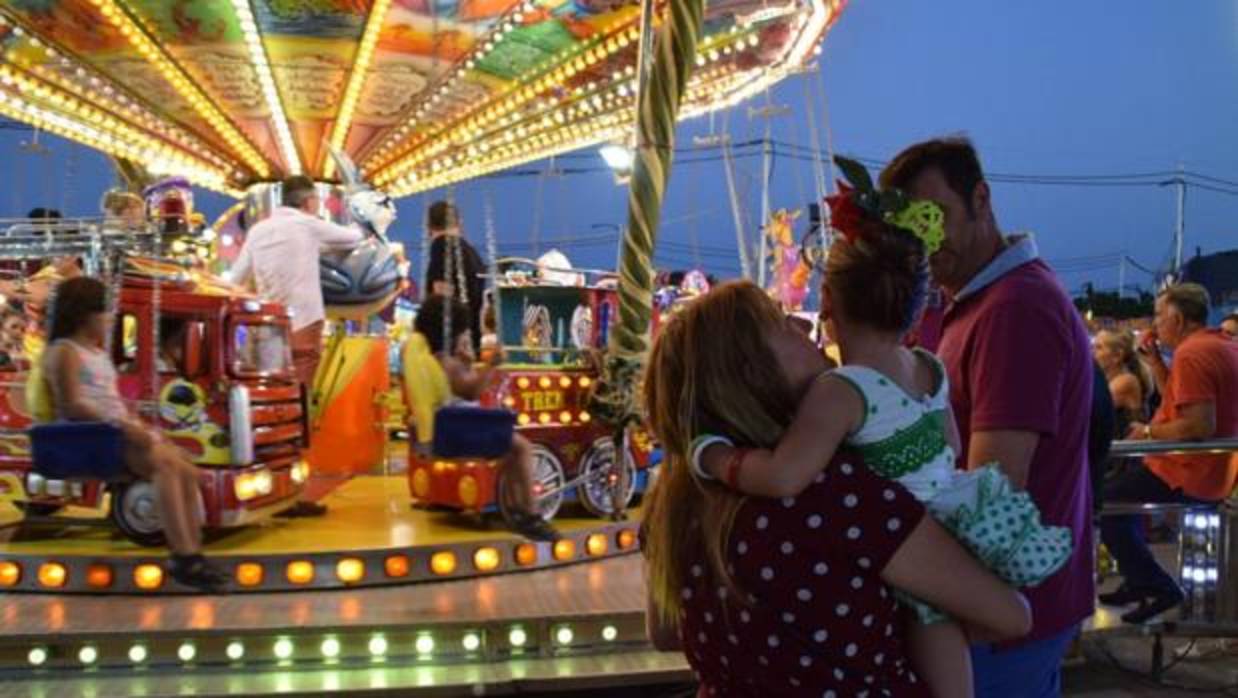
x,y
300,472
240,425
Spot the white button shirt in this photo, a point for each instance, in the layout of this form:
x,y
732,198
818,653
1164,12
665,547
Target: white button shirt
x,y
280,260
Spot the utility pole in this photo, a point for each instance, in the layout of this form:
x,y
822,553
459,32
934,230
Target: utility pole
x,y
768,112
1179,232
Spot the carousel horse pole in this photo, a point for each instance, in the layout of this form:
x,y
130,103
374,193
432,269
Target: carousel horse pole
x,y
663,77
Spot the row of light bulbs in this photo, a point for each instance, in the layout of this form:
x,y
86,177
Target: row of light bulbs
x,y
330,648
505,25
72,77
613,117
266,81
74,81
21,109
72,108
184,86
360,68
582,58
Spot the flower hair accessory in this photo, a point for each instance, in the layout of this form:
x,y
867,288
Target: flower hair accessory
x,y
858,199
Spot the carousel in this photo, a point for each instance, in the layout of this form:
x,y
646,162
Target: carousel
x,y
411,582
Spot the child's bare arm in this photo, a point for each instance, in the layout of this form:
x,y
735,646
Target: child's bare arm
x,y
829,411
465,379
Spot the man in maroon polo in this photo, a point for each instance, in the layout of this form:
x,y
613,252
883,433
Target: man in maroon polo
x,y
1019,363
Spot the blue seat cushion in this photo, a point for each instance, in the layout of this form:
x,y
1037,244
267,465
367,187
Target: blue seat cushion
x,y
472,432
64,450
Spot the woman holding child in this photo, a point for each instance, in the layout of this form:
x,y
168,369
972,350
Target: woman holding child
x,y
843,586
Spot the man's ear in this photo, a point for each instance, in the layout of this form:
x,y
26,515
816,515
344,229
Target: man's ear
x,y
981,200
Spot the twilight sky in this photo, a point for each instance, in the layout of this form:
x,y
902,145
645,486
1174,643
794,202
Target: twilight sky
x,y
1052,88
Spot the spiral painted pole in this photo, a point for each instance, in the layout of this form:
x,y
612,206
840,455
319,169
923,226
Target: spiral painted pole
x,y
674,57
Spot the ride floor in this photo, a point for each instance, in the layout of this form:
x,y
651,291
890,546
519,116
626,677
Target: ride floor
x,y
371,535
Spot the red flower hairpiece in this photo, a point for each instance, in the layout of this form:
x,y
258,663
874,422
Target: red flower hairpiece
x,y
846,215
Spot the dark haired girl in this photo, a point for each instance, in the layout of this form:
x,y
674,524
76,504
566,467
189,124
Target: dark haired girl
x,y
82,381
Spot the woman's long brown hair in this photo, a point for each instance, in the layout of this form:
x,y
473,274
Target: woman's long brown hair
x,y
710,371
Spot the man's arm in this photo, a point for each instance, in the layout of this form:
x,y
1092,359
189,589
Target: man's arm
x,y
242,270
334,236
1011,449
1195,422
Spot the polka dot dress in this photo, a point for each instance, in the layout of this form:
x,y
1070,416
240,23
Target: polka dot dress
x,y
821,622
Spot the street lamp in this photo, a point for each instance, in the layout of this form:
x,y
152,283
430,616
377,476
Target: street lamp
x,y
620,159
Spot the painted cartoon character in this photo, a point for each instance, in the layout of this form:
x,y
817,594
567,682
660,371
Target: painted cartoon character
x,y
182,407
791,274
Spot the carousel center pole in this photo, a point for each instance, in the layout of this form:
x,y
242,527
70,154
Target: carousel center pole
x,y
658,100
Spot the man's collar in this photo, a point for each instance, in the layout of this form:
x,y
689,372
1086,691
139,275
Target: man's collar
x,y
1020,249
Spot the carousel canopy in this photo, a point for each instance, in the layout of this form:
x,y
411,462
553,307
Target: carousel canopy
x,y
419,93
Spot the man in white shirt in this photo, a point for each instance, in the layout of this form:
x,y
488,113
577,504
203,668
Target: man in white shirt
x,y
280,261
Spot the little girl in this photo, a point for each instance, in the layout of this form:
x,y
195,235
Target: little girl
x,y
891,405
82,381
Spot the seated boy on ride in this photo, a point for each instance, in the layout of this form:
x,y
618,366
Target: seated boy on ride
x,y
436,375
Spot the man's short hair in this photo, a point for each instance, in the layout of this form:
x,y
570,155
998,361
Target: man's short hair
x,y
955,158
1191,300
441,216
297,190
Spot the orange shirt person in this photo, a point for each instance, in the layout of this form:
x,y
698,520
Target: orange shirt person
x,y
1200,401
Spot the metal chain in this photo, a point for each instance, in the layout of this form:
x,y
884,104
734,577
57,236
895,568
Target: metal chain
x,y
492,249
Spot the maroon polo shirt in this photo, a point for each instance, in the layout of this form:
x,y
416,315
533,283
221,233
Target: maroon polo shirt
x,y
1019,358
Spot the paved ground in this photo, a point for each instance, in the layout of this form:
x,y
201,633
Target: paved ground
x,y
1117,667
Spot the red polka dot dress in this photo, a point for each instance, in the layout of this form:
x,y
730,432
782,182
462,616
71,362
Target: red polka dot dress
x,y
822,623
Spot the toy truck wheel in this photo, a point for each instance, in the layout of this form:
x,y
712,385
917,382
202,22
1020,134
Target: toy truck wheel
x,y
604,480
135,511
548,477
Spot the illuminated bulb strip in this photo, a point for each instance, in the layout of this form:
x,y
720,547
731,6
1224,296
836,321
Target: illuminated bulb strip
x,y
258,60
153,54
467,129
19,109
576,60
356,80
705,94
547,142
484,45
72,108
81,79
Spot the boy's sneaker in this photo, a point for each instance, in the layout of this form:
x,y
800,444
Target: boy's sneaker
x,y
197,572
534,527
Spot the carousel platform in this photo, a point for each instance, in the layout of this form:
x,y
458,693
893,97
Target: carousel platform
x,y
371,536
576,627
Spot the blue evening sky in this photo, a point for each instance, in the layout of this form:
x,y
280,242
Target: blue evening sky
x,y
1058,87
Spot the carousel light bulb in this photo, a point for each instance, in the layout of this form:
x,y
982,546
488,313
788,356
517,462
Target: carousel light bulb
x,y
330,648
424,644
235,651
378,646
471,642
137,654
283,648
87,655
37,656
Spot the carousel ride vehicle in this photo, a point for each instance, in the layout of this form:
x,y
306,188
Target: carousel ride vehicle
x,y
421,95
231,404
551,336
